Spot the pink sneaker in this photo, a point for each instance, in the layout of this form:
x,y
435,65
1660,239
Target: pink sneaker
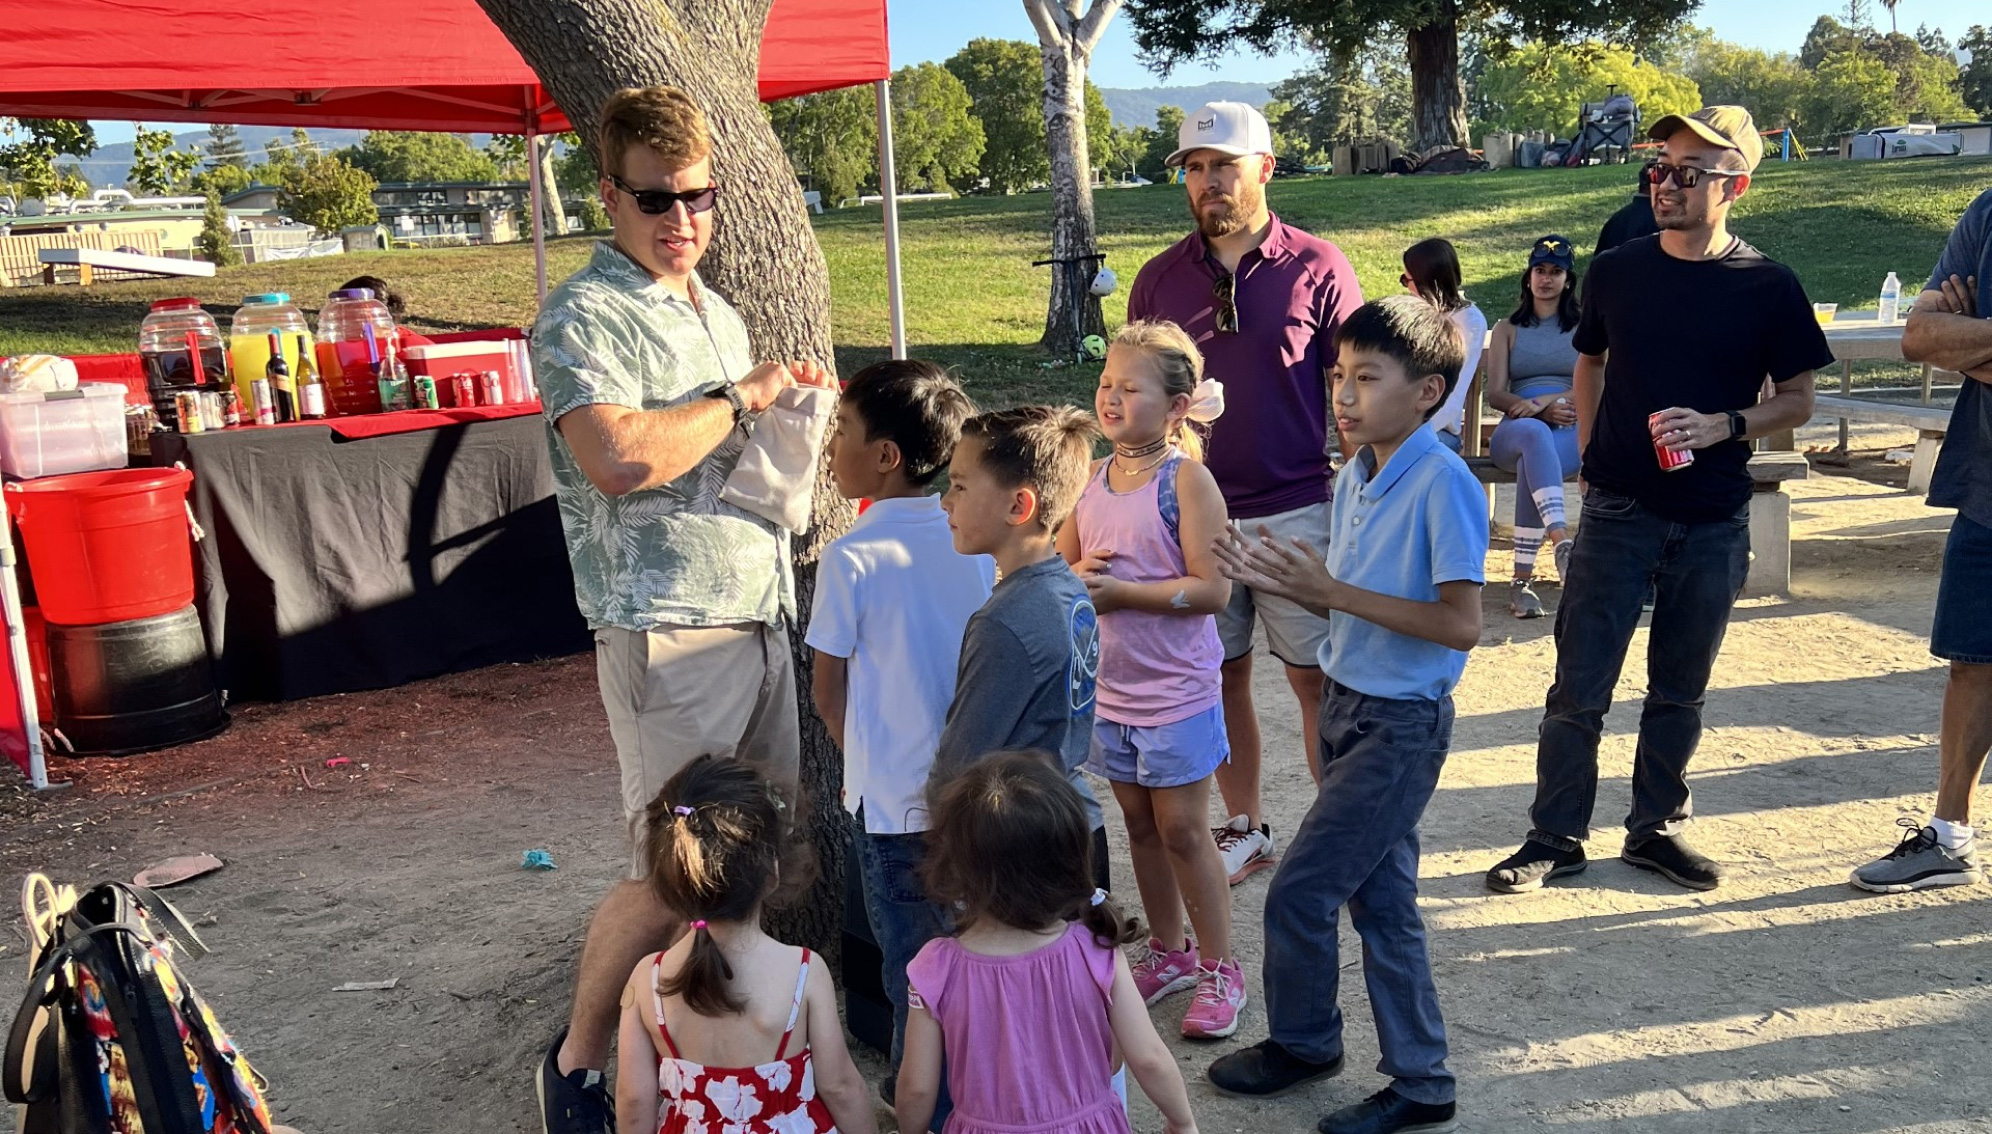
x,y
1165,971
1220,997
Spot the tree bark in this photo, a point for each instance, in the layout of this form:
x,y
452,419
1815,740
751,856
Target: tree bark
x,y
764,259
1438,98
1066,38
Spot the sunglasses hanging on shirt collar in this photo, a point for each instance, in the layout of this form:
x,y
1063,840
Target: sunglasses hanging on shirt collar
x,y
657,202
1225,290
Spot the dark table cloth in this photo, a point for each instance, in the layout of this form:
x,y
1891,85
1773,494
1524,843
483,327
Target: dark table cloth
x,y
333,565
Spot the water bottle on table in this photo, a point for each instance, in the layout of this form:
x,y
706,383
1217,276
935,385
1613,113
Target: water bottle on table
x,y
1891,301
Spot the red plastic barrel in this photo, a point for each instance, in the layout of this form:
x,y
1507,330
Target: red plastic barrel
x,y
107,546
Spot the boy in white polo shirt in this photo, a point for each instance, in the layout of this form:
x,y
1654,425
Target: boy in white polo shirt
x,y
892,599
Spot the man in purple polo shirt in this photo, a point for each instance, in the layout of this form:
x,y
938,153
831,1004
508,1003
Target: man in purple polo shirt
x,y
1263,300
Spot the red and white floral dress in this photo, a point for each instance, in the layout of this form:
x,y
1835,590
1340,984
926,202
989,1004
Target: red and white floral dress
x,y
772,1098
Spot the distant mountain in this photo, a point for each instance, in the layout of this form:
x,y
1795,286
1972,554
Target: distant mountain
x,y
110,165
1136,106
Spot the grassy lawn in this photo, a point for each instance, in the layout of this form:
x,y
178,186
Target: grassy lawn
x,y
975,303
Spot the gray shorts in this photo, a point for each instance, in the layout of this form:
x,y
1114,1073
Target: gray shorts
x,y
1293,632
676,693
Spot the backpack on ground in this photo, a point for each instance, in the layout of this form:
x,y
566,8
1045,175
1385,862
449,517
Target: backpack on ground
x,y
110,1039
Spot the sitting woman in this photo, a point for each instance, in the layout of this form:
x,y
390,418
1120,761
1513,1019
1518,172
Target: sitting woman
x,y
1431,271
1530,364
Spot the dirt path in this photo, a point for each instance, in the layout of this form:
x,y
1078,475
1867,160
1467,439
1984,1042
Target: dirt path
x,y
1784,1003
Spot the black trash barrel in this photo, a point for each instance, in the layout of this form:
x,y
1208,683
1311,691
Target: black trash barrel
x,y
128,687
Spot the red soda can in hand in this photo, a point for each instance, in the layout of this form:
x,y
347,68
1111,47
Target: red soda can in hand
x,y
1670,459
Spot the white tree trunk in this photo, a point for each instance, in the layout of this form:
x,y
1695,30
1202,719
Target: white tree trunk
x,y
1067,38
552,211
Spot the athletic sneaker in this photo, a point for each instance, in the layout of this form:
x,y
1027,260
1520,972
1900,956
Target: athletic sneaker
x,y
1220,997
1165,971
1919,860
1561,553
1522,600
1537,862
1387,1112
1245,851
575,1103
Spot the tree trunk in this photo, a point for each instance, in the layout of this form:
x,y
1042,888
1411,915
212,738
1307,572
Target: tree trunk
x,y
764,259
552,212
1438,99
1066,40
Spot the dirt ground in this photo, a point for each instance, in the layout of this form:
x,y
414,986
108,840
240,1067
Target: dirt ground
x,y
1783,1003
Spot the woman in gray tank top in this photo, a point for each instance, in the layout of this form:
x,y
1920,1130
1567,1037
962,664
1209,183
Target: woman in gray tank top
x,y
1530,363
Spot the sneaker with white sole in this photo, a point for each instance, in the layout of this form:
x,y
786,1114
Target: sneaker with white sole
x,y
1220,998
1165,971
575,1103
1920,860
1245,850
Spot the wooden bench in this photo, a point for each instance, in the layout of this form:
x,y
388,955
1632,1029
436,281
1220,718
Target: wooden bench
x,y
1770,514
1929,422
88,260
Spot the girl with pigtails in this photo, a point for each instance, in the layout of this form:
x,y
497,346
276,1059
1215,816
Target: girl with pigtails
x,y
729,1029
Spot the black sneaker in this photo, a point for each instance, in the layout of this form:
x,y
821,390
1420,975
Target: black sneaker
x,y
1671,857
575,1103
1266,1069
1537,862
1387,1112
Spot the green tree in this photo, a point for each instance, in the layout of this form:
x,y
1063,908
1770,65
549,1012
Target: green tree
x,y
1542,87
325,191
1926,81
1161,142
1975,80
1849,90
936,138
29,148
223,180
156,167
1174,31
1100,137
216,243
1005,78
594,215
1827,36
831,140
1769,86
417,156
1351,95
225,147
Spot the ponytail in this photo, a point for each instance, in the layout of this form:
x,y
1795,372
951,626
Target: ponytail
x,y
1109,926
705,980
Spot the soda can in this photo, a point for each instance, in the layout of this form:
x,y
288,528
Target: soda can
x,y
490,389
211,416
265,406
1669,458
422,392
187,407
463,390
231,407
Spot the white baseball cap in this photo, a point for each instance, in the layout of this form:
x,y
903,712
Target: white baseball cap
x,y
1228,127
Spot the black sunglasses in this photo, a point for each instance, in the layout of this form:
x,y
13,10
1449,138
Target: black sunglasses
x,y
1227,307
1686,176
657,202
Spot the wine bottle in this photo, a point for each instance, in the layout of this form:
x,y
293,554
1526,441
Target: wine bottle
x,y
310,387
281,388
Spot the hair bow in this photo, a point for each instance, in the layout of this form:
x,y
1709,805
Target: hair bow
x,y
1206,401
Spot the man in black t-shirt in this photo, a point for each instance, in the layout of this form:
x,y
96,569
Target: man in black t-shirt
x,y
1634,218
1678,333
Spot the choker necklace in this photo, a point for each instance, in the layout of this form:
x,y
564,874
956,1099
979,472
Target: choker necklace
x,y
1120,464
1136,452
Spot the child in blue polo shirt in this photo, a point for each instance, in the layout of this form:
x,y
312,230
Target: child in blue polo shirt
x,y
1401,590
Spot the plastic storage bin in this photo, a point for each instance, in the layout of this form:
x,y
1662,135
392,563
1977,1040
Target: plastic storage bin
x,y
65,432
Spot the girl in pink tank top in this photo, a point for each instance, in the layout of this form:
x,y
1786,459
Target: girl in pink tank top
x,y
1141,540
730,1031
1030,1004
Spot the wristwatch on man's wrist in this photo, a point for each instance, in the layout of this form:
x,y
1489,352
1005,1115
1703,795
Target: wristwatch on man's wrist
x,y
731,393
1737,426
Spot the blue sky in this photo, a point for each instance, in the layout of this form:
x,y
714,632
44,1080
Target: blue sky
x,y
935,29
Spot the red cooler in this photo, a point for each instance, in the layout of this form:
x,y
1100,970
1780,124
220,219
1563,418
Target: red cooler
x,y
440,360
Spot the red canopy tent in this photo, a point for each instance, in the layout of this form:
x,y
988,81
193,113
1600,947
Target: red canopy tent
x,y
366,64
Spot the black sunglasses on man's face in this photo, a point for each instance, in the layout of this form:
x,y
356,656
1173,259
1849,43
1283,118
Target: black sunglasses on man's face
x,y
1686,176
657,202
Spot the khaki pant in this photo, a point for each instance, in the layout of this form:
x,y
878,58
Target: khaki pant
x,y
676,693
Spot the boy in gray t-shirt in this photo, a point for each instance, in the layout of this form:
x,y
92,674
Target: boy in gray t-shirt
x,y
1031,655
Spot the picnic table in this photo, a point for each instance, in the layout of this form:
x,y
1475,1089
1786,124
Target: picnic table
x,y
1854,340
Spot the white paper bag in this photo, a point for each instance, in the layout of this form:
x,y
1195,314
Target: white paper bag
x,y
776,476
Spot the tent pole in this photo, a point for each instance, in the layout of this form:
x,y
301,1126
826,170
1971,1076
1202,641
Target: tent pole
x,y
24,674
888,187
539,230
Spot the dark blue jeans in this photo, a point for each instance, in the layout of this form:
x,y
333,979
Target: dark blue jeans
x,y
902,919
1696,571
1358,847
